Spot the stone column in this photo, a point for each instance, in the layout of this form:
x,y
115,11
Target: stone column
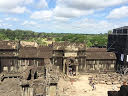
x,y
64,66
67,70
77,70
53,61
31,92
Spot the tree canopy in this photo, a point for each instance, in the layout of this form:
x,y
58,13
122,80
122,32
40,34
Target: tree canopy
x,y
27,35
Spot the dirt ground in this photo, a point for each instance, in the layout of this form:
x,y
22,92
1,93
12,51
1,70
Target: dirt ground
x,y
81,87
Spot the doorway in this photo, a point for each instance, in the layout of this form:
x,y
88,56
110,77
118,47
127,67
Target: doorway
x,y
72,70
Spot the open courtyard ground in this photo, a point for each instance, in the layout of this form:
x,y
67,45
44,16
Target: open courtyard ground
x,y
81,87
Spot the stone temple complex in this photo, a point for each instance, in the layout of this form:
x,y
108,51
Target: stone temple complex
x,y
37,68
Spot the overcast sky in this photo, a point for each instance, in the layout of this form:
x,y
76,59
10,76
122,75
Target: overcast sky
x,y
64,16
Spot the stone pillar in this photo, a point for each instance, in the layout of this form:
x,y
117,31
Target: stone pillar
x,y
67,70
27,91
64,66
20,65
34,63
85,67
53,61
31,92
37,63
77,70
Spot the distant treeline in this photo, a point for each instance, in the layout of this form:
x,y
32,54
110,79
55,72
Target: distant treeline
x,y
88,39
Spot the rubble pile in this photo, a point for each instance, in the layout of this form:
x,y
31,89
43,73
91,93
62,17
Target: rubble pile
x,y
108,79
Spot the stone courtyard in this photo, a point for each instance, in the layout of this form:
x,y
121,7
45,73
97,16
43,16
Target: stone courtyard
x,y
81,86
75,86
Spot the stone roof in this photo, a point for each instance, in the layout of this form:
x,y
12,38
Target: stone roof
x,y
99,53
44,52
28,52
96,50
35,52
8,45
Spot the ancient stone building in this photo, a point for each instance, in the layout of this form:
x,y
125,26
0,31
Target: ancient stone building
x,y
16,56
33,55
37,67
8,56
73,58
31,64
99,60
68,56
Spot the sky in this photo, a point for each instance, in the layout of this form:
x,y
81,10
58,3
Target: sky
x,y
64,16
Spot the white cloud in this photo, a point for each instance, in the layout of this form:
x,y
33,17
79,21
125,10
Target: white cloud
x,y
13,3
6,25
42,4
18,10
118,13
11,19
59,14
90,4
77,8
44,15
1,21
60,19
20,6
29,1
7,4
94,25
87,26
29,23
70,12
14,6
